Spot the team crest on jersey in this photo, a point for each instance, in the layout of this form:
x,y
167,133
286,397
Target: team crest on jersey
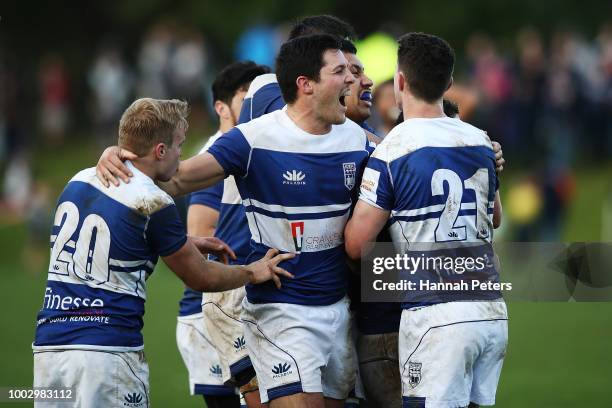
x,y
350,172
414,374
297,231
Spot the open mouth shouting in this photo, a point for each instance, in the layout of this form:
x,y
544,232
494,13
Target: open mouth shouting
x,y
342,99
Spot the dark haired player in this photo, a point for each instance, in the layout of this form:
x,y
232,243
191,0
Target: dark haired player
x,y
436,176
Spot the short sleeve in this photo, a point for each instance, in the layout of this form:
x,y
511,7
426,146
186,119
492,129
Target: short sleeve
x,y
165,231
376,187
209,197
232,152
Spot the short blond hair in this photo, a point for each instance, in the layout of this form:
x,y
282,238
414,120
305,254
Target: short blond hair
x,y
148,121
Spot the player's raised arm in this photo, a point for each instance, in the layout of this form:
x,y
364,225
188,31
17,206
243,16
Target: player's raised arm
x,y
111,166
194,174
229,155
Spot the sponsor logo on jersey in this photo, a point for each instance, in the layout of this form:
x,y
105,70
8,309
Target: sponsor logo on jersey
x,y
483,232
216,370
133,400
322,242
297,231
239,343
54,301
281,370
350,171
367,185
414,374
294,178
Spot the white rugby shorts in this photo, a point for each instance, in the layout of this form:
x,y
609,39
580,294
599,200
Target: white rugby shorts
x,y
222,312
297,348
200,357
452,353
104,379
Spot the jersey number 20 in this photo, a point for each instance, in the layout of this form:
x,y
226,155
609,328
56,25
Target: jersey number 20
x,y
91,250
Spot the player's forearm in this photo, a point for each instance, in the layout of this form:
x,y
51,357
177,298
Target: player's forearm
x,y
353,244
362,229
194,174
217,277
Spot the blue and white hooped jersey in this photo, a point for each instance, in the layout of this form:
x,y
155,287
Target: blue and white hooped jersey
x,y
105,243
297,190
437,178
263,96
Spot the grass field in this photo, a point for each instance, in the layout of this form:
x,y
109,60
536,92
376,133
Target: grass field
x,y
560,354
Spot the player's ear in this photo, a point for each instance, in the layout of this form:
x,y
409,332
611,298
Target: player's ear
x,y
450,83
160,151
400,81
222,109
305,84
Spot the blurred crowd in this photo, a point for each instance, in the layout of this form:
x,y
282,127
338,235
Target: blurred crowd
x,y
546,98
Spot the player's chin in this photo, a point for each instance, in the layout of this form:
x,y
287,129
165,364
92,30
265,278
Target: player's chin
x,y
365,111
339,116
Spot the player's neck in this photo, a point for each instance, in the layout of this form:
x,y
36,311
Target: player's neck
x,y
225,125
417,108
305,119
146,166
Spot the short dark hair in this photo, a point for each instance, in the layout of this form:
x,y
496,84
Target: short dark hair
x,y
450,108
323,24
427,62
347,46
302,56
235,77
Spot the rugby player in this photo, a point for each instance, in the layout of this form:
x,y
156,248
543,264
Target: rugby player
x,y
233,228
451,351
206,356
105,244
